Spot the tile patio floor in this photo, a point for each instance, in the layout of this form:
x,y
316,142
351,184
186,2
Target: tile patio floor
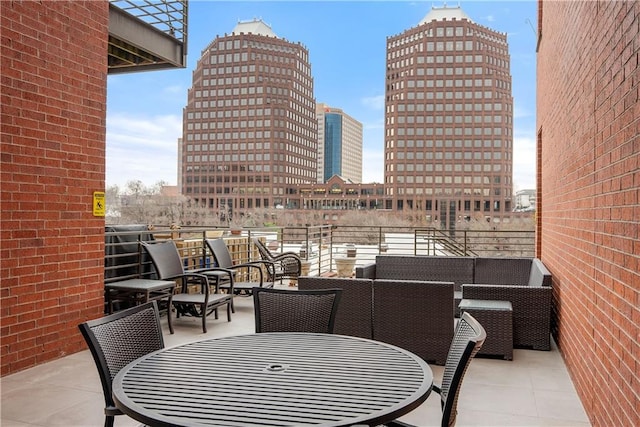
x,y
532,390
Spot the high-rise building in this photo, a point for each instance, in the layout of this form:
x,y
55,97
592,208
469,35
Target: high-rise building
x,y
249,127
339,144
449,119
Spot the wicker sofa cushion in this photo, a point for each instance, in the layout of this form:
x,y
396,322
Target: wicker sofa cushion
x,y
502,271
458,270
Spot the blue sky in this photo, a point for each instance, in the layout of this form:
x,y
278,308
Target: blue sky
x,y
346,42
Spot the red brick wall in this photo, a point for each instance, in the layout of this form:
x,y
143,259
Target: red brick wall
x,y
53,106
589,122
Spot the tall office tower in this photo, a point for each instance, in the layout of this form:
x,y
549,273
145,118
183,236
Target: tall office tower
x,y
249,128
339,144
449,119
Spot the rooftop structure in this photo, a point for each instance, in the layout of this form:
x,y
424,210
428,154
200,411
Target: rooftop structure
x,y
445,14
255,26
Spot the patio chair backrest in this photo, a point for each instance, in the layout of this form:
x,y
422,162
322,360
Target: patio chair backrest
x,y
220,252
284,310
467,340
265,253
165,258
118,339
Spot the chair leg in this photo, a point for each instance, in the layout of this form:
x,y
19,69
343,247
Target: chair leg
x,y
169,307
204,318
109,420
229,310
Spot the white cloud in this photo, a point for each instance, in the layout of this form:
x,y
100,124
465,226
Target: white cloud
x,y
142,148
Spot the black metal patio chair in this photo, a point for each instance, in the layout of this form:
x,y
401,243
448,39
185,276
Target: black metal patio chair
x,y
251,272
288,310
286,264
200,302
118,339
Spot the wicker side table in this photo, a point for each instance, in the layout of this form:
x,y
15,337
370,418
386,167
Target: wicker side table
x,y
497,319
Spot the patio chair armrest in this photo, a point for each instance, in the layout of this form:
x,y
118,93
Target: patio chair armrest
x,y
204,280
208,269
283,255
252,264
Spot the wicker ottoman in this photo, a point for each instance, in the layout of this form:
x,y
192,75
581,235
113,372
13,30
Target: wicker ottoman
x,y
497,319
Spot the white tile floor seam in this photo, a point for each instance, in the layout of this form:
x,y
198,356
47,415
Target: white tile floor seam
x,y
532,390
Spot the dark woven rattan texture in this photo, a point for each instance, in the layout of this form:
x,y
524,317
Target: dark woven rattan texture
x,y
128,338
279,310
531,311
414,315
118,339
525,282
354,315
497,319
458,270
502,271
468,339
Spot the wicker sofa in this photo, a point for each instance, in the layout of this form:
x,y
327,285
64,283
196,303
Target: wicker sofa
x,y
411,314
354,316
525,282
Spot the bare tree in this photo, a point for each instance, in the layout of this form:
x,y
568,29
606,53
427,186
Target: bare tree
x,y
141,204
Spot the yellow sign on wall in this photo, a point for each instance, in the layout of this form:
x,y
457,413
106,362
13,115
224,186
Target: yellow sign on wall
x,y
99,205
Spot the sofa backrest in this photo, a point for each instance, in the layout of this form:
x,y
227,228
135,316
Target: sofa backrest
x,y
502,271
354,314
458,270
414,315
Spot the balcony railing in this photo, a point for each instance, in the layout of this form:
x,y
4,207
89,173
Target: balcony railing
x,y
320,245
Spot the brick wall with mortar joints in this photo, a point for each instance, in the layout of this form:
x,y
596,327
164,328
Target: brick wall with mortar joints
x,y
589,117
53,97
